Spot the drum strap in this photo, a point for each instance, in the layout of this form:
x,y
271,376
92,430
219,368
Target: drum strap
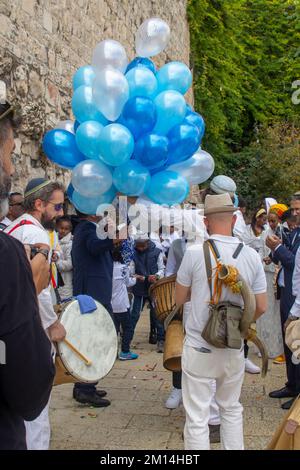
x,y
20,224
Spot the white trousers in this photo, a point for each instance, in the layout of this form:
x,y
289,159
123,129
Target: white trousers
x,y
38,431
199,369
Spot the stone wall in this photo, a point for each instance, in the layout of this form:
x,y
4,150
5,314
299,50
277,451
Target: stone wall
x,y
42,43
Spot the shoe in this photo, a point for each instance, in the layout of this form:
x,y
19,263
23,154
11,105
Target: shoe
x,y
101,393
91,399
284,392
174,399
279,359
251,368
152,337
129,356
214,433
288,404
160,346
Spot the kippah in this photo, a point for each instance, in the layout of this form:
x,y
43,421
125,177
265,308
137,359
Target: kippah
x,y
35,185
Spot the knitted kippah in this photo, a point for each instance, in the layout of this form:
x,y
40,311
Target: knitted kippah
x,y
35,185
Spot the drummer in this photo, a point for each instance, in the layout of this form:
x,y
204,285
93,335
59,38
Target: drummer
x,y
43,203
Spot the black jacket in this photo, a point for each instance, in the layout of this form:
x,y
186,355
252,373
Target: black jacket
x,y
26,366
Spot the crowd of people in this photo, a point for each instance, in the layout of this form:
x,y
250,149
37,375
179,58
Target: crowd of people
x,y
50,254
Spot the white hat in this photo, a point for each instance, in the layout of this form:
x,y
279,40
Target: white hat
x,y
223,184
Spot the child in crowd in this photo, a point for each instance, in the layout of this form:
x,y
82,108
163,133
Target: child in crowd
x,y
120,302
64,263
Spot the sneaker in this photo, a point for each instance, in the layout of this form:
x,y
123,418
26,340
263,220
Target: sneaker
x,y
160,346
174,399
152,337
279,359
129,356
90,399
251,368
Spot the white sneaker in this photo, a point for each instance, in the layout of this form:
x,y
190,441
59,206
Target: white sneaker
x,y
174,399
251,368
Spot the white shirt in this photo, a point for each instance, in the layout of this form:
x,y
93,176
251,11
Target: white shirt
x,y
121,280
295,310
31,234
192,273
240,225
6,221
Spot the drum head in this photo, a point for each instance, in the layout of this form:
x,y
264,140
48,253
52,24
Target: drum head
x,y
94,335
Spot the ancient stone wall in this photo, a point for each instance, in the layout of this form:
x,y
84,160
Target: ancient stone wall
x,y
42,43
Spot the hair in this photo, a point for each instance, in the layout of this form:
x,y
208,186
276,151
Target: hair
x,y
44,194
117,254
242,202
65,218
254,219
295,197
9,121
288,215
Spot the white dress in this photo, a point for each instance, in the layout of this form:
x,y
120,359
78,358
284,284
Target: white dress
x,y
268,326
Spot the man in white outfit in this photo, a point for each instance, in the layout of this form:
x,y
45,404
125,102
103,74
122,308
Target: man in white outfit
x,y
43,203
202,362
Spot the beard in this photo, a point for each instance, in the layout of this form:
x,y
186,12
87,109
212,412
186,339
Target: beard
x,y
48,224
5,187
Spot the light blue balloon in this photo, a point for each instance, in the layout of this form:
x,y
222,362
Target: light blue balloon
x,y
131,178
171,109
142,82
84,107
83,76
91,178
89,205
174,76
116,145
88,138
167,187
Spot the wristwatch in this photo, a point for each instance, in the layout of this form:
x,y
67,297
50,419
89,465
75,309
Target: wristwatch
x,y
42,251
293,318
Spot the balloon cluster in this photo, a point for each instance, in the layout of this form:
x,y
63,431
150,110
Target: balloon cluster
x,y
134,132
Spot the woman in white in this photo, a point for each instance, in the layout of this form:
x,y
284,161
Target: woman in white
x,y
64,262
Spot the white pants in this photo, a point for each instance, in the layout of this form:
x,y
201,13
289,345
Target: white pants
x,y
227,367
214,412
38,431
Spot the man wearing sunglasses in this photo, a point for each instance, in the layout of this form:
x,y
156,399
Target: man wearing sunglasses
x,y
16,209
43,204
26,366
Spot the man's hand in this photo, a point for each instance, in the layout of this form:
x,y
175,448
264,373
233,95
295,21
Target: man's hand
x,y
54,257
152,278
273,242
139,277
288,321
57,332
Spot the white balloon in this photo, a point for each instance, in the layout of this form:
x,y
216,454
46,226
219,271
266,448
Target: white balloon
x,y
110,53
110,92
66,125
152,37
197,168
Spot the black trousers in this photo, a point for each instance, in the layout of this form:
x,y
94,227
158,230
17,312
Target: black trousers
x,y
176,379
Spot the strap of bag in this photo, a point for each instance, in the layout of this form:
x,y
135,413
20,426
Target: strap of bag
x,y
20,224
207,259
238,250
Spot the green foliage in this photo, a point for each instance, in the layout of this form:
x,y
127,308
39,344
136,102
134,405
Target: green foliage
x,y
245,56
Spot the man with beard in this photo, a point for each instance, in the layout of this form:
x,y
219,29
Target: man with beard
x,y
286,255
26,367
43,203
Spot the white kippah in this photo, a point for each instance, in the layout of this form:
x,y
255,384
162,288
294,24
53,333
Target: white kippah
x,y
223,184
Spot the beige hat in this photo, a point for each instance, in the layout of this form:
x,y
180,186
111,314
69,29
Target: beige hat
x,y
292,338
217,204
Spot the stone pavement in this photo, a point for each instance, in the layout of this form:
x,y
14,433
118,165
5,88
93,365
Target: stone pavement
x,y
137,418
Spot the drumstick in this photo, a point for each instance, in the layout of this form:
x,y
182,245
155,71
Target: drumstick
x,y
79,354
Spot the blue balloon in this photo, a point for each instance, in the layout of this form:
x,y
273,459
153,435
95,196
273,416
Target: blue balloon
x,y
142,82
89,205
184,141
171,109
88,138
139,115
83,76
116,145
174,76
84,107
131,178
151,150
76,125
142,62
70,191
189,109
198,121
167,187
60,147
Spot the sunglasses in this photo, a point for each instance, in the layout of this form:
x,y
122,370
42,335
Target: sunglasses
x,y
9,110
16,204
57,207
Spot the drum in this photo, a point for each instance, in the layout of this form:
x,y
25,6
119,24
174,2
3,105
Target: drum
x,y
162,294
94,337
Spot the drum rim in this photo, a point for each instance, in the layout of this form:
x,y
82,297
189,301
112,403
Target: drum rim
x,y
162,281
77,377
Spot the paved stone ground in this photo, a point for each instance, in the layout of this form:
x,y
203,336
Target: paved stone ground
x,y
137,418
